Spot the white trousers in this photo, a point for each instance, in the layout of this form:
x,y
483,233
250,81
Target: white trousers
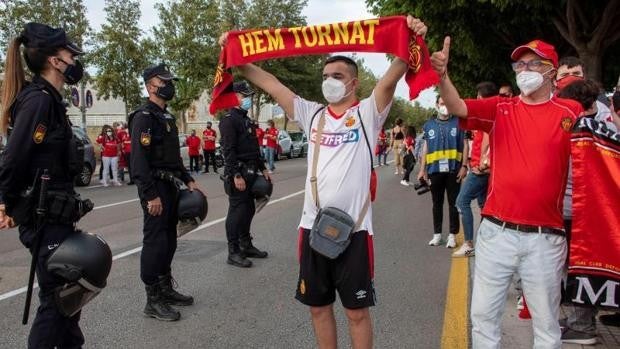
x,y
107,162
539,259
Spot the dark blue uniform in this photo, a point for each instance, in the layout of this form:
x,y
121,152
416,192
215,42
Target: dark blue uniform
x,y
40,138
155,160
242,157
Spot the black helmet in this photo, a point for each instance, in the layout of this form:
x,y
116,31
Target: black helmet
x,y
84,261
193,208
262,188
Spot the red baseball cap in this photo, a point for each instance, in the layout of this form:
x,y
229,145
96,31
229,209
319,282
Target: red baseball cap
x,y
540,48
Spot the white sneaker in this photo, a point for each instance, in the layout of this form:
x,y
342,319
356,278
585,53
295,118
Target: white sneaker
x,y
436,241
117,183
520,306
404,182
466,250
105,184
451,241
396,172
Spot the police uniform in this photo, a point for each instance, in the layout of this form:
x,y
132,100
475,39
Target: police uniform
x,y
242,158
156,168
40,138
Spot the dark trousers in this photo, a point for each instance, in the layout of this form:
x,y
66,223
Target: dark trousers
x,y
240,213
445,183
194,163
50,329
160,235
209,156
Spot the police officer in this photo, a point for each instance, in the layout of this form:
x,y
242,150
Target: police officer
x,y
156,168
242,163
40,138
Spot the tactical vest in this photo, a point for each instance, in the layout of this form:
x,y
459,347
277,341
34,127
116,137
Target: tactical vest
x,y
165,151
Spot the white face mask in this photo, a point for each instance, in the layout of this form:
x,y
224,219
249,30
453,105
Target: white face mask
x,y
334,90
443,110
529,81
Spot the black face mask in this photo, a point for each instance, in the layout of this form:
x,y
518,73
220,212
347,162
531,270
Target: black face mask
x,y
74,72
209,126
166,92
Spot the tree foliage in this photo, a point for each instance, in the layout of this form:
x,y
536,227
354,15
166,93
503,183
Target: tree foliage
x,y
484,33
119,53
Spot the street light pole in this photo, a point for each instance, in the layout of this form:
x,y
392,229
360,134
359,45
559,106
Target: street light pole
x,y
83,103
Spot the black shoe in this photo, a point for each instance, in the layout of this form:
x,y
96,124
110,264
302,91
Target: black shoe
x,y
130,183
156,306
574,337
170,295
248,250
610,319
238,260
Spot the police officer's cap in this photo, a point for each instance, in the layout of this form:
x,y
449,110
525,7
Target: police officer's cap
x,y
160,70
243,88
41,36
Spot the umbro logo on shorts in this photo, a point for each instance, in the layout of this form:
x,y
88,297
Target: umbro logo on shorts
x,y
361,294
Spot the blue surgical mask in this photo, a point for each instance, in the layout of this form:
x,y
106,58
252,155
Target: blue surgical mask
x,y
246,103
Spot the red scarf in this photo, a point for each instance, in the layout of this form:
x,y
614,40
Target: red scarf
x,y
594,263
388,35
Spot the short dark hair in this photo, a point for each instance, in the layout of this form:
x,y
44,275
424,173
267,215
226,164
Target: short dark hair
x,y
570,62
487,89
344,59
583,91
411,131
398,121
615,101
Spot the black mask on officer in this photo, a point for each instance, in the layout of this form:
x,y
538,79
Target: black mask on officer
x,y
73,73
166,92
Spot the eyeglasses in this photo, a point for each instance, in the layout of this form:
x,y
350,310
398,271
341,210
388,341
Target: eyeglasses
x,y
535,64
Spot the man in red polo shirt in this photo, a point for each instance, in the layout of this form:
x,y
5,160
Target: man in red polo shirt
x,y
209,136
522,230
193,145
270,142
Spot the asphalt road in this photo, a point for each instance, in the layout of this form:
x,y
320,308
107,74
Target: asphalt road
x,y
247,308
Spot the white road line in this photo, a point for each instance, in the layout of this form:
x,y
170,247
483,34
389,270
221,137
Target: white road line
x,y
93,187
138,249
115,204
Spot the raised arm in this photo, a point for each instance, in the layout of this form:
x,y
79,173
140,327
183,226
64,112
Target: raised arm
x,y
447,91
384,91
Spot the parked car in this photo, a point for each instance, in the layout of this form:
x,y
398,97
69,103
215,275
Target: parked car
x,y
300,144
285,145
83,179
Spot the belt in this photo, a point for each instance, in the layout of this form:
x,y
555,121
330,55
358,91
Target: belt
x,y
164,175
525,228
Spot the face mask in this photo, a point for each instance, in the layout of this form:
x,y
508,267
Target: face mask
x,y
567,80
209,127
443,110
246,103
166,92
73,73
529,81
109,134
334,90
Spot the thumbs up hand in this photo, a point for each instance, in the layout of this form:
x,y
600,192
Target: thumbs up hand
x,y
439,59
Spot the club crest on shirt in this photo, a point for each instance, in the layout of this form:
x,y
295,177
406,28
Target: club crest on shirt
x,y
566,124
39,133
145,139
349,121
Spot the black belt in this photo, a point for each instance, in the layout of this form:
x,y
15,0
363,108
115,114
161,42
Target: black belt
x,y
166,175
525,228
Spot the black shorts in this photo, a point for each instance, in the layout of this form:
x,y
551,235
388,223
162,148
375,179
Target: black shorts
x,y
351,274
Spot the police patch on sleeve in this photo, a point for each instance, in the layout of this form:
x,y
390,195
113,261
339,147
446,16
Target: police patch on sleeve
x,y
39,133
145,139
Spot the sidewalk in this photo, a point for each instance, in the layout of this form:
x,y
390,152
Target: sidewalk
x,y
517,333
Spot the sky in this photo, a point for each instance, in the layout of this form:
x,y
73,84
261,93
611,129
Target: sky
x,y
317,12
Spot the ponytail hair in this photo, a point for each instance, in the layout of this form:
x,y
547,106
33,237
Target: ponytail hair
x,y
14,80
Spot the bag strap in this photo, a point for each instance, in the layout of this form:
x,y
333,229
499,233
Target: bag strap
x,y
372,161
315,160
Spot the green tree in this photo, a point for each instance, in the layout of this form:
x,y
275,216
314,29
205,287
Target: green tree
x,y
119,53
484,32
186,38
67,14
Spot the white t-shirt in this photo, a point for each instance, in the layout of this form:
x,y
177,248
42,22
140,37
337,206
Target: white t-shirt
x,y
343,168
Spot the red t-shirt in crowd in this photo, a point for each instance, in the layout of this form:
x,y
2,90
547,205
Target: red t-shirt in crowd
x,y
110,146
271,142
476,148
409,143
259,135
209,144
530,149
193,144
123,137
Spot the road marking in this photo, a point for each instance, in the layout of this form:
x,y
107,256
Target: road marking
x,y
19,291
93,187
455,333
115,204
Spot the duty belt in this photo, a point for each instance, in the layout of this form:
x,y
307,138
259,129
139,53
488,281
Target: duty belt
x,y
525,228
169,176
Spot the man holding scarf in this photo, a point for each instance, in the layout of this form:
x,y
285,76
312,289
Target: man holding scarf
x,y
350,273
